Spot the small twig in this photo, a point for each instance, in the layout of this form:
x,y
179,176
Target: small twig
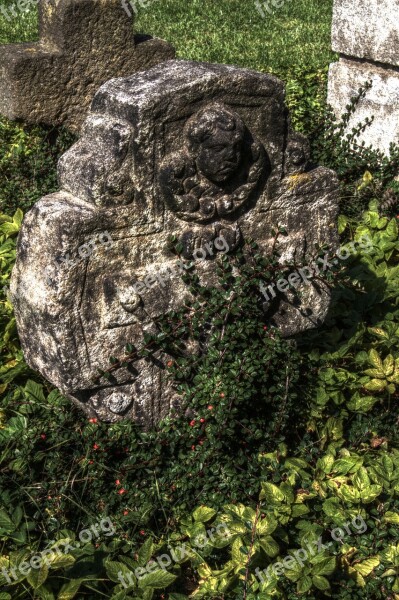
x,y
253,533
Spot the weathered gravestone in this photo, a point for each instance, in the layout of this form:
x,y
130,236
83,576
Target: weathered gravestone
x,y
366,34
83,43
201,151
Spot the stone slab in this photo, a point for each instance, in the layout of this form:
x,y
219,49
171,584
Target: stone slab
x,y
83,43
367,29
380,102
195,150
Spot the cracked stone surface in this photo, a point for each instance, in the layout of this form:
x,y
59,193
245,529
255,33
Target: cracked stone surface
x,y
83,43
366,34
201,151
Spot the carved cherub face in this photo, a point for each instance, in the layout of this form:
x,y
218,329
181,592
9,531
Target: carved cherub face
x,y
215,140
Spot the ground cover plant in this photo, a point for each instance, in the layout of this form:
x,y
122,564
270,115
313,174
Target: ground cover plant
x,y
284,446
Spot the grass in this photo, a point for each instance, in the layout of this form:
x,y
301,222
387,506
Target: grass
x,y
297,35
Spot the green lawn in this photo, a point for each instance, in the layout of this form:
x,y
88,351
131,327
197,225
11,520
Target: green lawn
x,y
297,35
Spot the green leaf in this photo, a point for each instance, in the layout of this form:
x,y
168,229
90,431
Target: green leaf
x,y
376,360
368,565
304,584
371,493
38,576
391,517
378,332
270,546
44,593
145,552
34,391
203,514
69,590
392,229
60,561
159,579
271,493
342,223
361,479
320,583
298,510
324,566
115,568
362,404
347,465
266,526
5,522
375,385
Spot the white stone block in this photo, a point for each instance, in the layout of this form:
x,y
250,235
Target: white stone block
x,y
367,29
381,101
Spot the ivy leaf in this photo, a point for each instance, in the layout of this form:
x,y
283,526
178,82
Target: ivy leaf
x,y
392,229
203,514
368,565
69,590
325,566
391,517
375,385
362,404
115,569
271,493
34,391
266,526
376,360
145,552
304,584
270,546
342,223
5,522
159,580
320,582
38,576
389,365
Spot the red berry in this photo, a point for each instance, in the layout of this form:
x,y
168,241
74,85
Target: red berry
x,y
142,532
202,420
125,512
210,407
222,395
117,482
265,328
192,423
170,363
43,436
192,447
121,491
94,420
96,447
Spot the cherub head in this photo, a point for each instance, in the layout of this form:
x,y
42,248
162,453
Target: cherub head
x,y
215,139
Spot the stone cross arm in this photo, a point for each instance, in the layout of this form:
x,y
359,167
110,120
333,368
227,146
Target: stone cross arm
x,y
83,43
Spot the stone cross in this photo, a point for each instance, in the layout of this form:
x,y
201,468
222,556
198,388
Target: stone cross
x,y
83,43
366,34
199,151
